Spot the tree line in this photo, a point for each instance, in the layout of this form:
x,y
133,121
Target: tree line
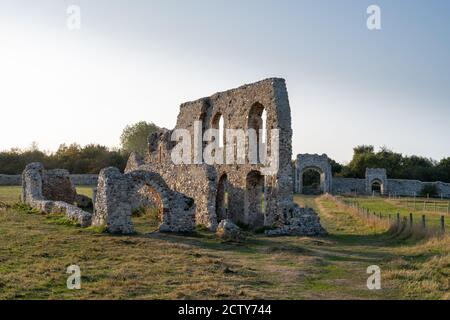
x,y
93,157
81,159
397,165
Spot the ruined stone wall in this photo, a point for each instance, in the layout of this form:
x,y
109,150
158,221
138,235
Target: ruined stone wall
x,y
404,187
77,179
10,180
400,187
237,107
348,185
113,205
38,184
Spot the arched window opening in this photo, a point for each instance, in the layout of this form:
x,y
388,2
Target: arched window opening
x,y
257,120
218,123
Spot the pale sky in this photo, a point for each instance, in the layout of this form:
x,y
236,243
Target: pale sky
x,y
139,60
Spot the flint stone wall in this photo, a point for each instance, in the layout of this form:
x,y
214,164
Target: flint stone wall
x,y
198,182
47,190
77,179
400,187
348,185
10,180
319,163
115,199
238,107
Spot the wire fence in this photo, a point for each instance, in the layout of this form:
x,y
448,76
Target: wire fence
x,y
397,220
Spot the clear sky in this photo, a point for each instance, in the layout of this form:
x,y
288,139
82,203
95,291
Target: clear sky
x,y
138,60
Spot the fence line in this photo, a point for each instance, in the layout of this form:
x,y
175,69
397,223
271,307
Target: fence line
x,y
393,219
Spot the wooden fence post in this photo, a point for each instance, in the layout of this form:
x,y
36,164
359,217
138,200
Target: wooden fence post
x,y
398,218
442,224
411,219
423,222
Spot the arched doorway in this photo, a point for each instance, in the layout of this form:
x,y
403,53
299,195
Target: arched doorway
x,y
312,181
320,164
255,199
148,209
377,187
222,198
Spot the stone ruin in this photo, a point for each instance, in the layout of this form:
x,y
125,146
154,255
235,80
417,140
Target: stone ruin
x,y
315,162
236,192
374,182
187,195
52,191
118,195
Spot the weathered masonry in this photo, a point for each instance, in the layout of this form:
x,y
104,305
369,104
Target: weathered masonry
x,y
186,195
376,180
239,192
314,162
53,192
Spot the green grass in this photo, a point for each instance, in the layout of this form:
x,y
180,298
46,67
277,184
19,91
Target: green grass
x,y
35,251
388,207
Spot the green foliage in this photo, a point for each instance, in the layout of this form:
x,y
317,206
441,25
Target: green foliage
x,y
98,229
397,165
134,137
89,159
60,219
150,212
429,190
201,227
24,208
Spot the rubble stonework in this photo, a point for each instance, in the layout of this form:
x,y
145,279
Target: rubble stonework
x,y
238,192
301,222
52,192
116,198
376,175
319,163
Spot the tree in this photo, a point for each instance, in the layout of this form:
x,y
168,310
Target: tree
x,y
134,137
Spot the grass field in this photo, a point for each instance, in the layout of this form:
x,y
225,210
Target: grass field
x,y
35,251
386,206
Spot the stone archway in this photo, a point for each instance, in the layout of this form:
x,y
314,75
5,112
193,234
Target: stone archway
x,y
378,177
318,163
117,192
317,187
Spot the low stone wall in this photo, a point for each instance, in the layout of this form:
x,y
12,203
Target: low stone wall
x,y
400,187
10,180
44,190
403,187
349,185
77,179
